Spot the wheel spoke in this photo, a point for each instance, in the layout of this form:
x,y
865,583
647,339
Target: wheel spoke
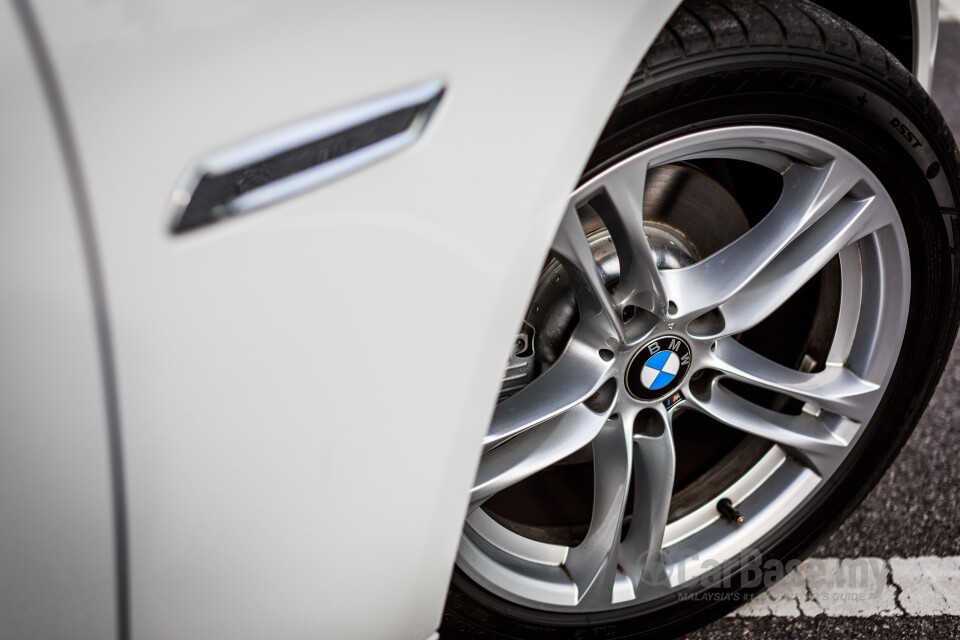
x,y
847,222
851,297
574,377
654,464
805,436
594,301
593,563
808,194
535,449
836,388
640,282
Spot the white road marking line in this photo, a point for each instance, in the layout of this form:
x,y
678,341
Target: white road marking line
x,y
928,584
863,587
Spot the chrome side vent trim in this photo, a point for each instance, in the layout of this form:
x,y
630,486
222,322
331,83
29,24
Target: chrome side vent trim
x,y
263,170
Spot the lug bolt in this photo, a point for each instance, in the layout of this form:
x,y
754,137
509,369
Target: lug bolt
x,y
521,343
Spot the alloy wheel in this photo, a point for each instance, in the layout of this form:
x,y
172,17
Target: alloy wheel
x,y
656,330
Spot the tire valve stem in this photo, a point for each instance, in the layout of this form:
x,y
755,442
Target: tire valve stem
x,y
728,511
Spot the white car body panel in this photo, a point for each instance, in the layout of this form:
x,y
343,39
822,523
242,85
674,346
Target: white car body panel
x,y
926,31
303,391
56,504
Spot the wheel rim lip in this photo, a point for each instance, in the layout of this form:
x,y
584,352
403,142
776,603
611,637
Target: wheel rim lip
x,y
785,485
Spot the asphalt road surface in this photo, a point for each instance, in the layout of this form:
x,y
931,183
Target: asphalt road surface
x,y
913,513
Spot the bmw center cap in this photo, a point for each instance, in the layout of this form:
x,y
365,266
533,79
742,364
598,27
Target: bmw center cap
x,y
658,368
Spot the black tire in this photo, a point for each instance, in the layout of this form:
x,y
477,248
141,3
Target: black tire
x,y
790,64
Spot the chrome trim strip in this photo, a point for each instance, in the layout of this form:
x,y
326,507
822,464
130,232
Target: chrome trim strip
x,y
353,124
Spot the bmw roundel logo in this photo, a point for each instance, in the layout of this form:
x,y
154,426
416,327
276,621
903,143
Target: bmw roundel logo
x,y
658,367
659,370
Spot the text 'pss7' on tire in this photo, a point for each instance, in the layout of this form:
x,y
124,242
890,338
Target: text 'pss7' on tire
x,y
748,303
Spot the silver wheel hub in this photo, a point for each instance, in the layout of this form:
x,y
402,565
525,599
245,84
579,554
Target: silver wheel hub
x,y
657,331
